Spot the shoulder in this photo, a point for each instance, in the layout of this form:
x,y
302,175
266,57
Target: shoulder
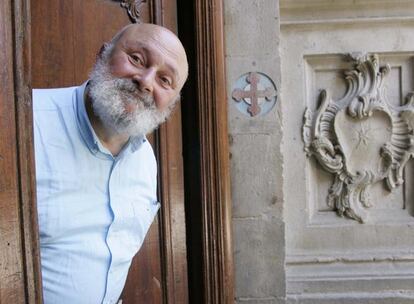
x,y
149,153
54,114
142,156
52,99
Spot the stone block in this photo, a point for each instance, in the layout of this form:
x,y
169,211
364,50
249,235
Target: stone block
x,y
251,27
256,167
260,301
259,258
235,68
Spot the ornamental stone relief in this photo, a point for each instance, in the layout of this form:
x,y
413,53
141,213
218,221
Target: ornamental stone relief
x,y
361,138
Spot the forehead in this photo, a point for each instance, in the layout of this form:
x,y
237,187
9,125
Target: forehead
x,y
153,45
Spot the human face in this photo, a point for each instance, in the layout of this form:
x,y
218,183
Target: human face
x,y
153,58
111,96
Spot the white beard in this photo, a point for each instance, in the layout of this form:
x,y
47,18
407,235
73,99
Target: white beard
x,y
110,96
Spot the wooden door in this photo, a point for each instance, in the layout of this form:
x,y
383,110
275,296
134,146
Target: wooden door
x,y
66,36
56,22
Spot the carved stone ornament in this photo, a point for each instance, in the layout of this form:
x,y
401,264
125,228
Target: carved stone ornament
x,y
133,8
361,139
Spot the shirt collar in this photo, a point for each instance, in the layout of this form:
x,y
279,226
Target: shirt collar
x,y
85,127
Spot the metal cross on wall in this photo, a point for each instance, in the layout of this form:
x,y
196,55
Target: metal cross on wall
x,y
253,94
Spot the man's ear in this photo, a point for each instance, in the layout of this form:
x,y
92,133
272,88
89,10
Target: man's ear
x,y
101,50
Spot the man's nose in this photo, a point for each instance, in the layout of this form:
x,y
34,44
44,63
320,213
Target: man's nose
x,y
145,80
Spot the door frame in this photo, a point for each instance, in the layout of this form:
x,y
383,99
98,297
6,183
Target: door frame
x,y
30,250
217,252
209,79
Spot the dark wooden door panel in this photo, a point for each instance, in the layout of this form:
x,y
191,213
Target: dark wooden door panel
x,y
19,259
66,36
144,284
11,262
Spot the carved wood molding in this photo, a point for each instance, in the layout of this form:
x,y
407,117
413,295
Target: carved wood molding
x,y
133,7
215,175
362,138
20,273
25,142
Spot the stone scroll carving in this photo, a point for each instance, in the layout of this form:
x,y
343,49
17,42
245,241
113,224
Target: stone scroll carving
x,y
133,8
361,138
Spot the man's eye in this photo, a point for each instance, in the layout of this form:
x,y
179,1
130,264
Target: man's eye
x,y
136,58
166,81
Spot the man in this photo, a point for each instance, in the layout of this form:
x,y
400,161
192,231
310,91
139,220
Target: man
x,y
95,171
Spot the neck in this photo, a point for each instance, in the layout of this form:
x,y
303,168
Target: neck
x,y
112,141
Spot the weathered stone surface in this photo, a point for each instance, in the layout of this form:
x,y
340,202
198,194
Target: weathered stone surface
x,y
251,28
256,187
259,257
353,299
271,300
252,45
329,259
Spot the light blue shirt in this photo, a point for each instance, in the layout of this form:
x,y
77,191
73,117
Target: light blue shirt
x,y
94,209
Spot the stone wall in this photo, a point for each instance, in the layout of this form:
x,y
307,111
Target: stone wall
x,y
252,45
325,215
349,64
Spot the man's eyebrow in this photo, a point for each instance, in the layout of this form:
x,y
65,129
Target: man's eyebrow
x,y
130,44
173,70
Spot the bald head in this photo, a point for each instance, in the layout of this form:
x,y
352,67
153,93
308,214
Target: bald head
x,y
162,37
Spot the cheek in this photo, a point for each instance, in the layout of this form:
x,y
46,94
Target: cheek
x,y
120,67
163,100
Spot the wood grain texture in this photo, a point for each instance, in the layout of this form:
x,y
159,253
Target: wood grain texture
x,y
66,37
215,177
11,263
144,283
25,143
19,276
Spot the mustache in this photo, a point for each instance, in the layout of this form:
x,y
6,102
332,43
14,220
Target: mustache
x,y
129,87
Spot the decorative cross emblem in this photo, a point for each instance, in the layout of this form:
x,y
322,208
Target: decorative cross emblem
x,y
253,93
